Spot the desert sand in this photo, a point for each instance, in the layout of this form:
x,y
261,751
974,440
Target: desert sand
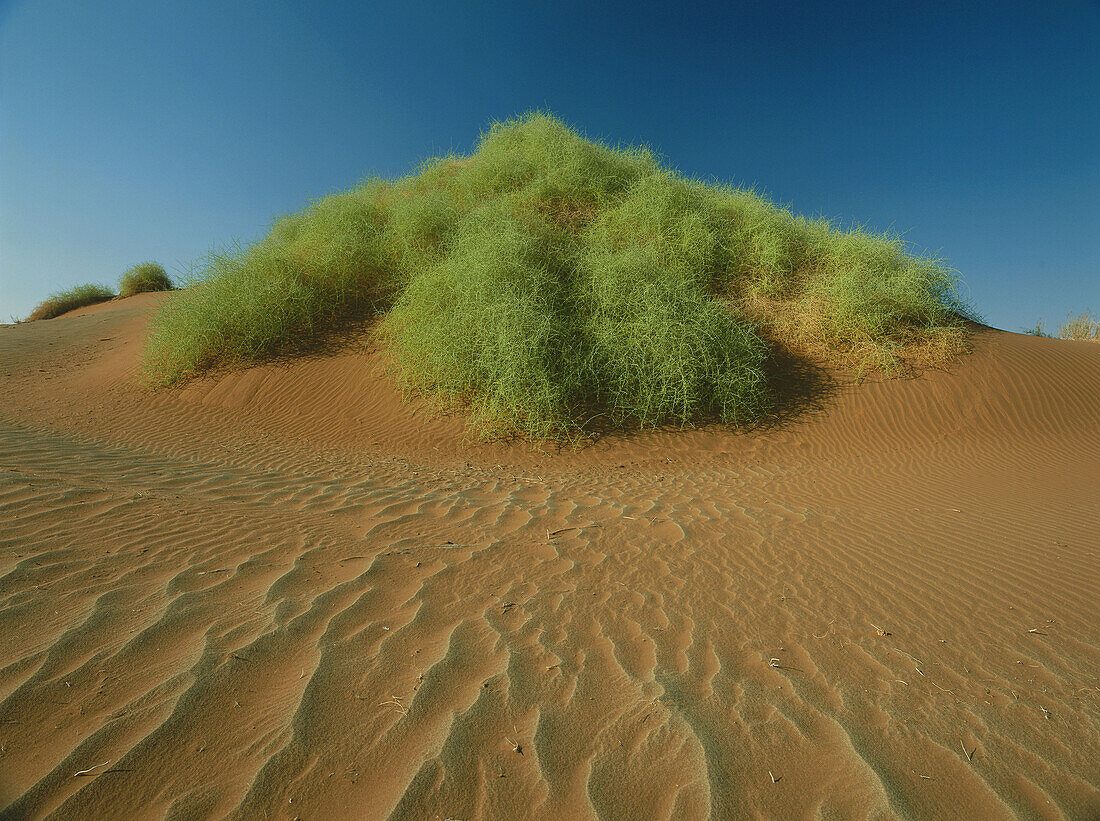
x,y
288,592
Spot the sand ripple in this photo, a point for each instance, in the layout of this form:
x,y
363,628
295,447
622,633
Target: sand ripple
x,y
888,613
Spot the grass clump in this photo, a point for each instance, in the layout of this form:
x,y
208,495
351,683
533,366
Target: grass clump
x,y
546,280
312,271
145,276
1081,327
64,301
491,323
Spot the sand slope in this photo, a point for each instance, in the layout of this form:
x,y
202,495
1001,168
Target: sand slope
x,y
286,592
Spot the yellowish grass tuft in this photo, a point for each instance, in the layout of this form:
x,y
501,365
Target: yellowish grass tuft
x,y
1081,327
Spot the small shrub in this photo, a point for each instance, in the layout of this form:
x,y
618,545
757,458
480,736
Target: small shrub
x,y
146,276
1081,327
65,301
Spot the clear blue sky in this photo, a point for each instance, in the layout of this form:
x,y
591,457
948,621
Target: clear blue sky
x,y
158,130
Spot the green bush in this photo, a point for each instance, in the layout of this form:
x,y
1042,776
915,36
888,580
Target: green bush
x,y
65,301
546,279
146,276
313,270
491,323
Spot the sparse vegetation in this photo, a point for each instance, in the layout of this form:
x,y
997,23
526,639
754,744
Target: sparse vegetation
x,y
1040,329
1081,327
146,276
65,301
546,280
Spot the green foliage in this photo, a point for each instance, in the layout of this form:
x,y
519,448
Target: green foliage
x,y
870,287
662,349
491,323
146,276
312,271
663,345
65,301
546,279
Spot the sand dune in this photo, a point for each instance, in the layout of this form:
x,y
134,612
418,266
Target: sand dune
x,y
288,592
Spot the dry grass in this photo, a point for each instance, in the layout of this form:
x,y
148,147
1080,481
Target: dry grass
x,y
1082,327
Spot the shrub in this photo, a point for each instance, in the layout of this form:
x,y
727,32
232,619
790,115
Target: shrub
x,y
313,270
146,276
65,301
491,324
546,279
1081,327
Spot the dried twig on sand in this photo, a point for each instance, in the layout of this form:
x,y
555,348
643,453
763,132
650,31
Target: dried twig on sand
x,y
395,702
516,746
90,769
775,663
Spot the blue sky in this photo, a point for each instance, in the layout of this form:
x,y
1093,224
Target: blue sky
x,y
145,130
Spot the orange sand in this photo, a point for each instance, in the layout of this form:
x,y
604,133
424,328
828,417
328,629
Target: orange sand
x,y
286,592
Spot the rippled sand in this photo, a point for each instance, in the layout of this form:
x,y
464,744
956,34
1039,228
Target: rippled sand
x,y
285,592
